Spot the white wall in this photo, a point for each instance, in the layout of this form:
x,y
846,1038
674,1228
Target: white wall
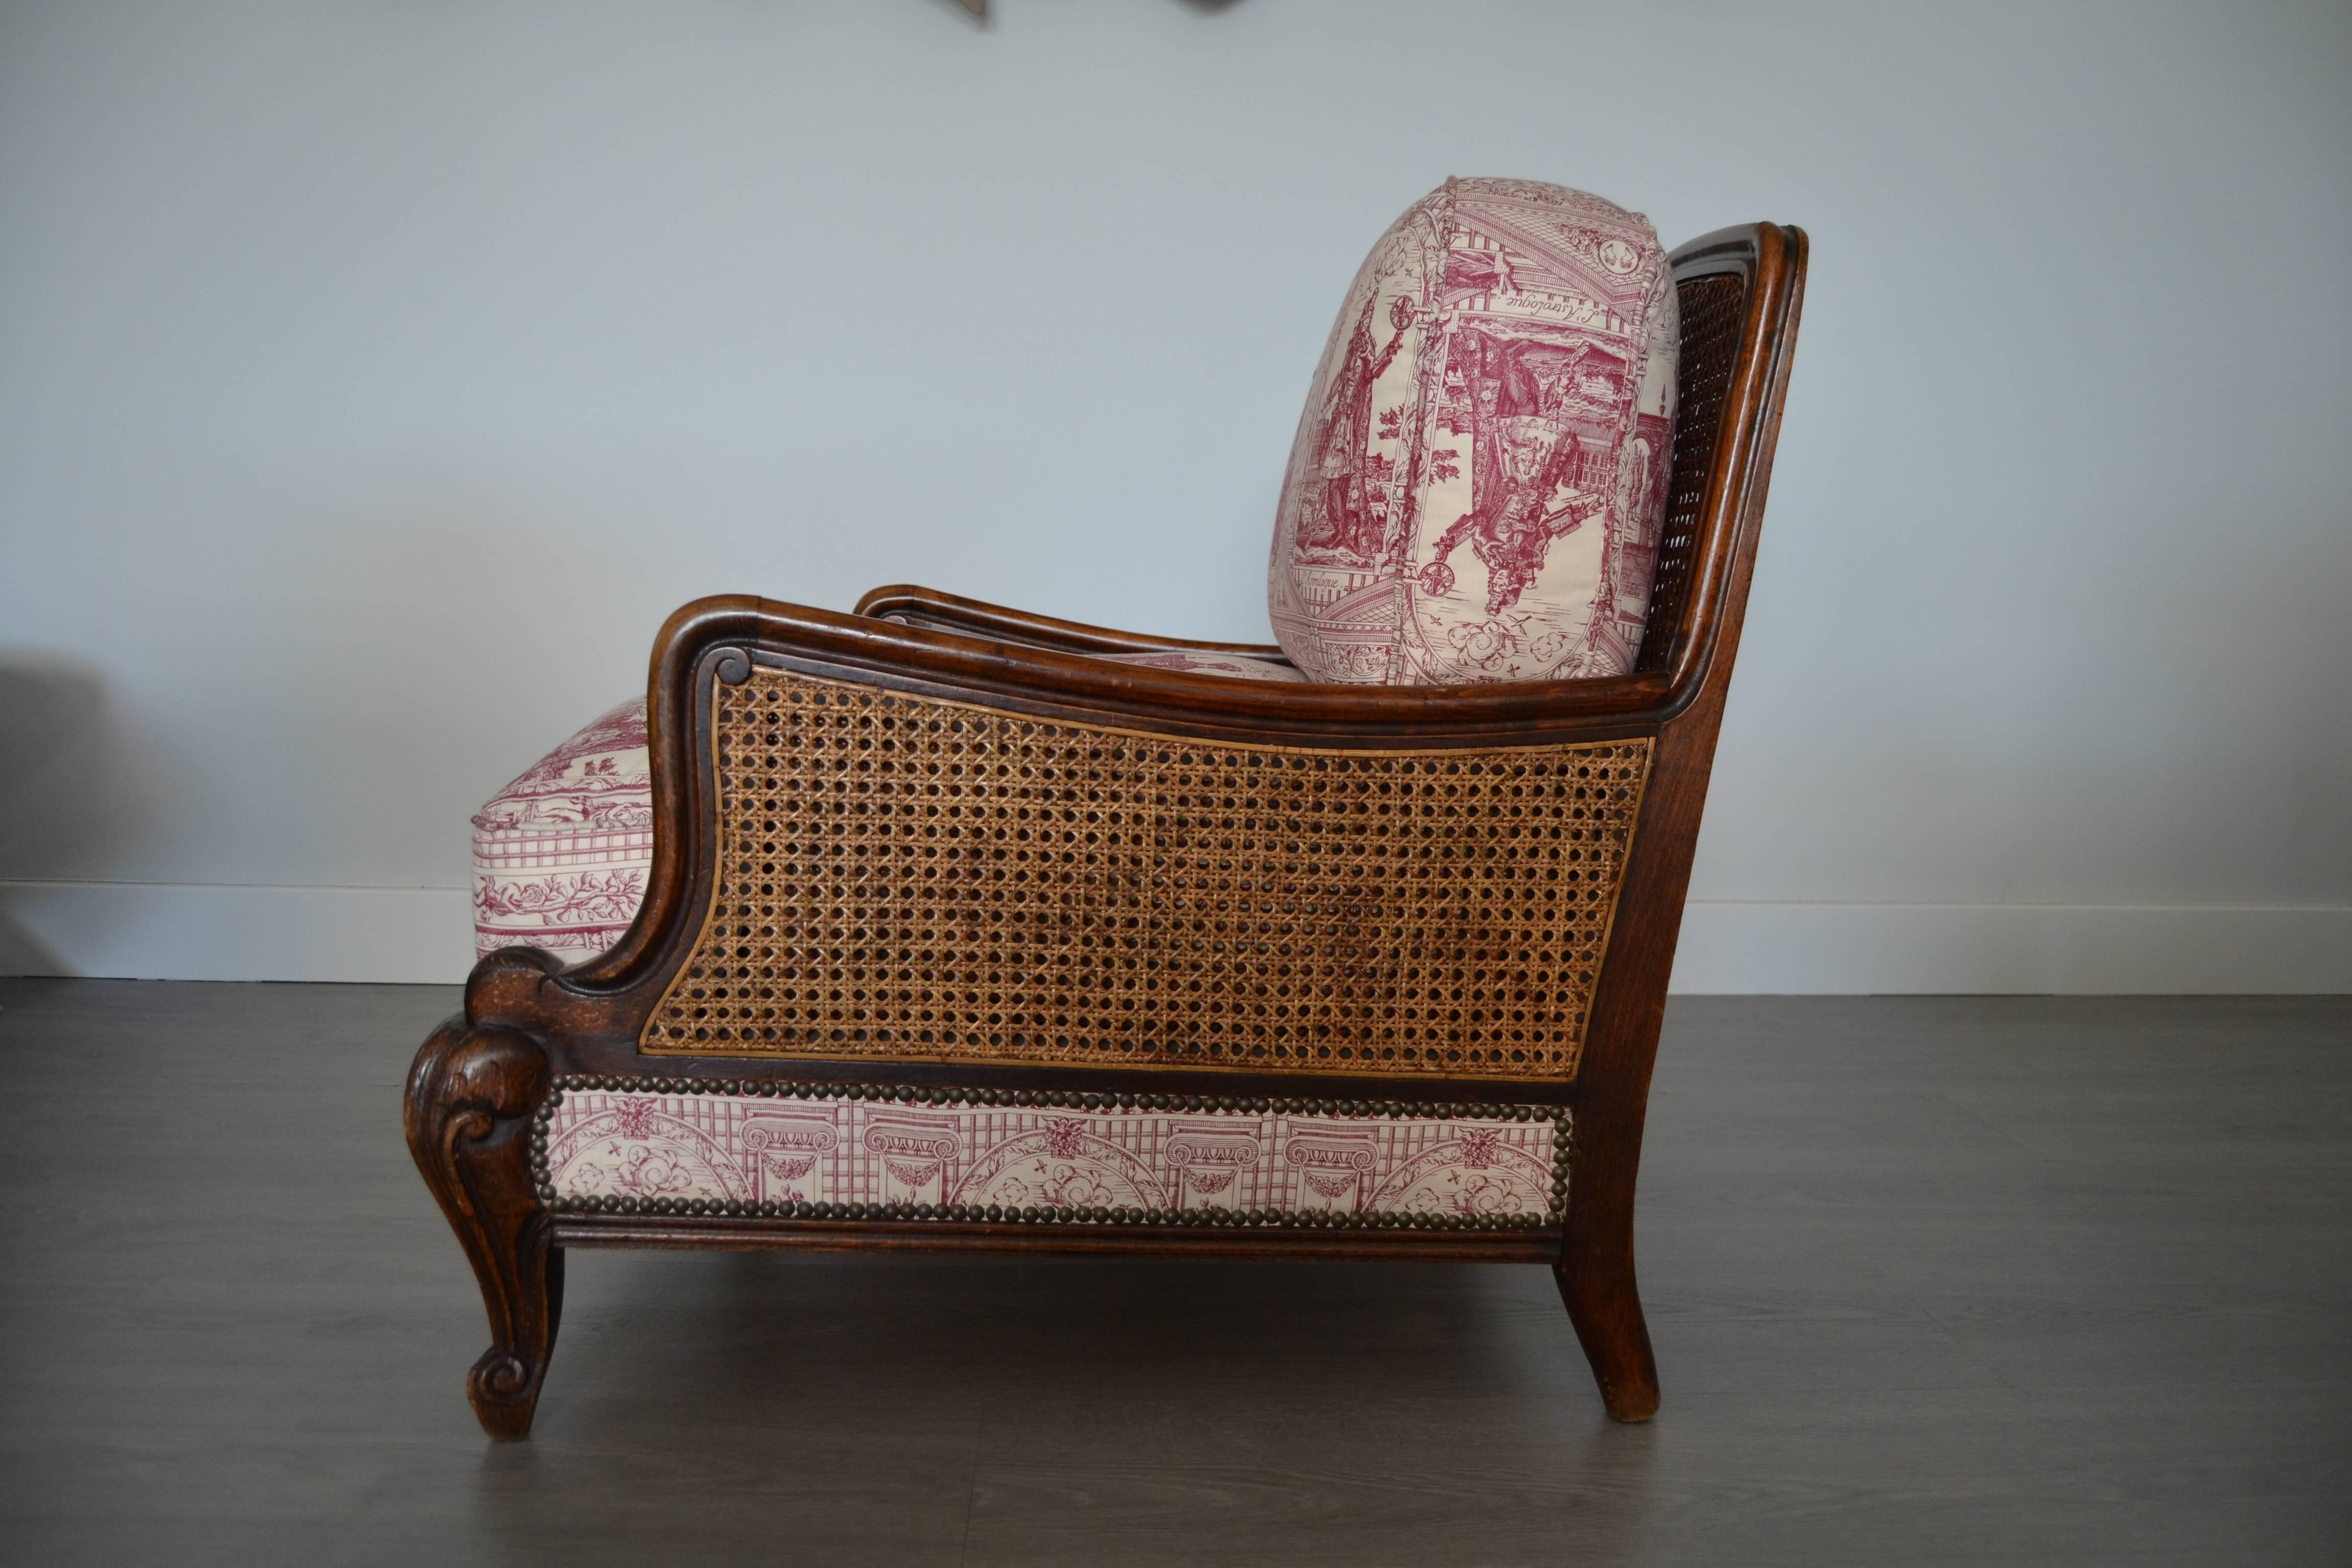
x,y
374,376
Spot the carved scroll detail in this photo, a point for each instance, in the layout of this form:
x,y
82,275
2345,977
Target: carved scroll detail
x,y
471,1097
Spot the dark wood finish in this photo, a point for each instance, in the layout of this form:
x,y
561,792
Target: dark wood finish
x,y
1596,1265
915,640
468,1113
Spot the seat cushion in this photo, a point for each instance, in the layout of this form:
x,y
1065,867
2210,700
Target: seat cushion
x,y
560,855
1479,480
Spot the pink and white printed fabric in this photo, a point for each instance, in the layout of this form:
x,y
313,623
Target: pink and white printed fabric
x,y
1238,665
1479,481
752,1150
560,855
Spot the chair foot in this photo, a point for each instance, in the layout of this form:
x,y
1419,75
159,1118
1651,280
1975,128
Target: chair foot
x,y
471,1094
1606,1309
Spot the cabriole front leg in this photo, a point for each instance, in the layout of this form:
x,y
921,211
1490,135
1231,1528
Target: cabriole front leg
x,y
471,1097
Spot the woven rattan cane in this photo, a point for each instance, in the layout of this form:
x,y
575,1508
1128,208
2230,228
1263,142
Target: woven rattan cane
x,y
1712,311
913,880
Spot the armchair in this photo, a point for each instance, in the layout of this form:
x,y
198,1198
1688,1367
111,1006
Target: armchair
x,y
960,935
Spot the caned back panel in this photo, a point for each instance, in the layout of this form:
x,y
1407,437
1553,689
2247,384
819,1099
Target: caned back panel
x,y
1713,310
905,878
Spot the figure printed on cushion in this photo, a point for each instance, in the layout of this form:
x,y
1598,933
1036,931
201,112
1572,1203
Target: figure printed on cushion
x,y
1525,453
1348,524
1544,340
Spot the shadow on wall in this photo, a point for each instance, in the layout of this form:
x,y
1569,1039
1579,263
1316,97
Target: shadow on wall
x,y
52,719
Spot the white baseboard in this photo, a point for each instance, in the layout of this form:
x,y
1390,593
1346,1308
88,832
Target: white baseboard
x,y
175,931
1744,949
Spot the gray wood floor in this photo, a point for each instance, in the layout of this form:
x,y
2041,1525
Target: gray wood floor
x,y
1932,1280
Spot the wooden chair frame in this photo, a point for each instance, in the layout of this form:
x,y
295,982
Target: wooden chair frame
x,y
474,1104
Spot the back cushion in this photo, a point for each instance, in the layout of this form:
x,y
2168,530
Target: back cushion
x,y
1478,482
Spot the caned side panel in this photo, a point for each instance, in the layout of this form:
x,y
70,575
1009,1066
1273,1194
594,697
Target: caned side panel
x,y
904,879
1713,310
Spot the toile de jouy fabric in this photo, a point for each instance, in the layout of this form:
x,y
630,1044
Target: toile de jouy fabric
x,y
751,1149
1234,665
1478,483
560,855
